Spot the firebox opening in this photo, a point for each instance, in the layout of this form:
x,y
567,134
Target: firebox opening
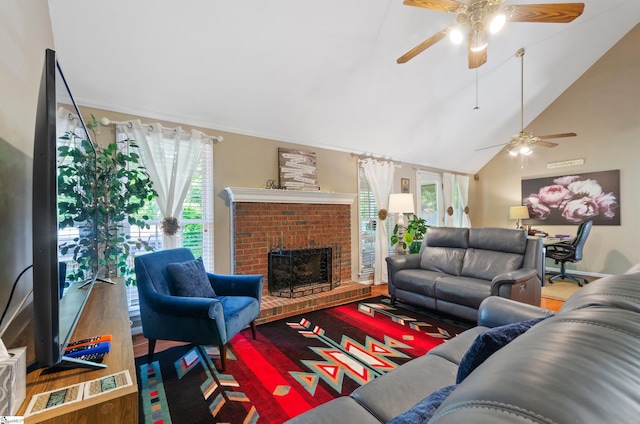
x,y
301,272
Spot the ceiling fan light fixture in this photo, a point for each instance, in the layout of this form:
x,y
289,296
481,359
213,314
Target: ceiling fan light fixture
x,y
525,150
497,23
477,38
513,152
456,36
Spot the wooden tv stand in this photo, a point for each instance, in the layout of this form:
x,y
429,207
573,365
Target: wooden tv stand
x,y
106,312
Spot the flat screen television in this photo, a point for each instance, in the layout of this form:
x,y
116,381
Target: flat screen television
x,y
57,304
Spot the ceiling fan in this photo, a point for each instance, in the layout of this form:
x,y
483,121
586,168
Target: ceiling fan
x,y
521,143
475,17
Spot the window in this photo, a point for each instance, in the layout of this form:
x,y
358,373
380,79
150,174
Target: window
x,y
432,199
196,219
368,215
429,199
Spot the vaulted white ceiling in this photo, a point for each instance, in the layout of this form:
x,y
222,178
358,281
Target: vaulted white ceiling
x,y
324,73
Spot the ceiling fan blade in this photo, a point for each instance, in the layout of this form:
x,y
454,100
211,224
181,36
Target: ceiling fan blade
x,y
553,13
546,137
439,5
545,143
422,46
477,59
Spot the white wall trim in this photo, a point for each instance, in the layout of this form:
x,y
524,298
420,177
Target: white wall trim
x,y
261,195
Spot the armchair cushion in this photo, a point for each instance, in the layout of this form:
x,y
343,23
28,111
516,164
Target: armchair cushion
x,y
489,342
189,279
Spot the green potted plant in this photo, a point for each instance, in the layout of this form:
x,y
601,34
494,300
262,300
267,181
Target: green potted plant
x,y
413,235
98,192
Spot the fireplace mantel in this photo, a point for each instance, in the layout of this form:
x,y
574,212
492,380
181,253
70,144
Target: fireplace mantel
x,y
261,195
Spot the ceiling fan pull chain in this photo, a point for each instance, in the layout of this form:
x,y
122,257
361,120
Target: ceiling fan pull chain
x,y
520,54
477,108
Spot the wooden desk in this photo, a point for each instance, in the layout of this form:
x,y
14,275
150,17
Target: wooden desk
x,y
106,312
546,241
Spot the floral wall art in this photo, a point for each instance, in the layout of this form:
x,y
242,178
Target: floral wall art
x,y
573,198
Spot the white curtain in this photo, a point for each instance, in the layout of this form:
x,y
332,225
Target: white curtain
x,y
448,183
170,156
379,175
68,122
463,196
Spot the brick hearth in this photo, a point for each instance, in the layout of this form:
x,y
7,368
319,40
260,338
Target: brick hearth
x,y
275,308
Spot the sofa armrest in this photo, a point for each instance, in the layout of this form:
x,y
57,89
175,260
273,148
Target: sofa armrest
x,y
522,275
495,311
400,262
237,285
410,261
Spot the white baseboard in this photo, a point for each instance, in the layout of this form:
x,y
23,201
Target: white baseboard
x,y
576,272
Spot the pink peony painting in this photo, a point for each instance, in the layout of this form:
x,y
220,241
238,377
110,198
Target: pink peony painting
x,y
572,199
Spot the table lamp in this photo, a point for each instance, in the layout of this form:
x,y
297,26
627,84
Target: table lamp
x,y
518,213
401,203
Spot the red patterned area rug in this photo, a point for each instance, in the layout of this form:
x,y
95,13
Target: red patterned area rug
x,y
294,364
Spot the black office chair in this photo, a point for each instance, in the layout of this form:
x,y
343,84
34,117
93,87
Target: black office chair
x,y
570,251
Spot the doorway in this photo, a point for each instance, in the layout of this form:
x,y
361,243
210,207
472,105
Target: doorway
x,y
428,197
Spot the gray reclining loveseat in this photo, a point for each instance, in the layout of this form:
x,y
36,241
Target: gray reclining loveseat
x,y
458,268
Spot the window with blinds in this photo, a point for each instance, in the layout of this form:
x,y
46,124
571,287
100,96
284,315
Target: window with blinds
x,y
196,219
368,216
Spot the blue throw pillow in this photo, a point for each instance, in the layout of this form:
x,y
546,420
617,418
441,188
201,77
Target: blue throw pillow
x,y
422,411
189,279
489,342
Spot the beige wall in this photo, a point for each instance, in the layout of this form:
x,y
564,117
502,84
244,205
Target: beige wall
x,y
25,33
603,108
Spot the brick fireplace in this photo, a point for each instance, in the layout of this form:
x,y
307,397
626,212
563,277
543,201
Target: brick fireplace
x,y
262,220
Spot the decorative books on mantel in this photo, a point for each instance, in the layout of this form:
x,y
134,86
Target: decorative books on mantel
x,y
297,170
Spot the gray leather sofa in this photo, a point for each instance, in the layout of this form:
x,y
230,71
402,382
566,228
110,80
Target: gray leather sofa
x,y
580,366
457,268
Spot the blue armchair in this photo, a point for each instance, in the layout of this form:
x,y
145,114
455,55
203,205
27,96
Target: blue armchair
x,y
198,320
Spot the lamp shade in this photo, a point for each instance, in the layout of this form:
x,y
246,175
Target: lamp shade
x,y
401,203
518,212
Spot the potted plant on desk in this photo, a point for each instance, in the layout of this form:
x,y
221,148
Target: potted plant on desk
x,y
410,236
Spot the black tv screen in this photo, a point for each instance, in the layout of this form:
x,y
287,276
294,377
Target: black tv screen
x,y
58,302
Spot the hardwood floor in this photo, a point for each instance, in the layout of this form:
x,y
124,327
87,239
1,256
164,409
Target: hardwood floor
x,y
552,304
140,343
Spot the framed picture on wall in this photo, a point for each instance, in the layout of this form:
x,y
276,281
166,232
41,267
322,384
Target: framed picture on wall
x,y
297,170
574,198
405,185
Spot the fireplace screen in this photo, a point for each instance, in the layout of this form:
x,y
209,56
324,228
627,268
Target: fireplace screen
x,y
301,272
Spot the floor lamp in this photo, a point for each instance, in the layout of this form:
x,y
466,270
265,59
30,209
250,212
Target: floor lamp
x,y
401,203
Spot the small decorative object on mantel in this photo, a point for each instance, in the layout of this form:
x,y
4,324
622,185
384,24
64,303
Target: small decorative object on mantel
x,y
273,185
297,170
